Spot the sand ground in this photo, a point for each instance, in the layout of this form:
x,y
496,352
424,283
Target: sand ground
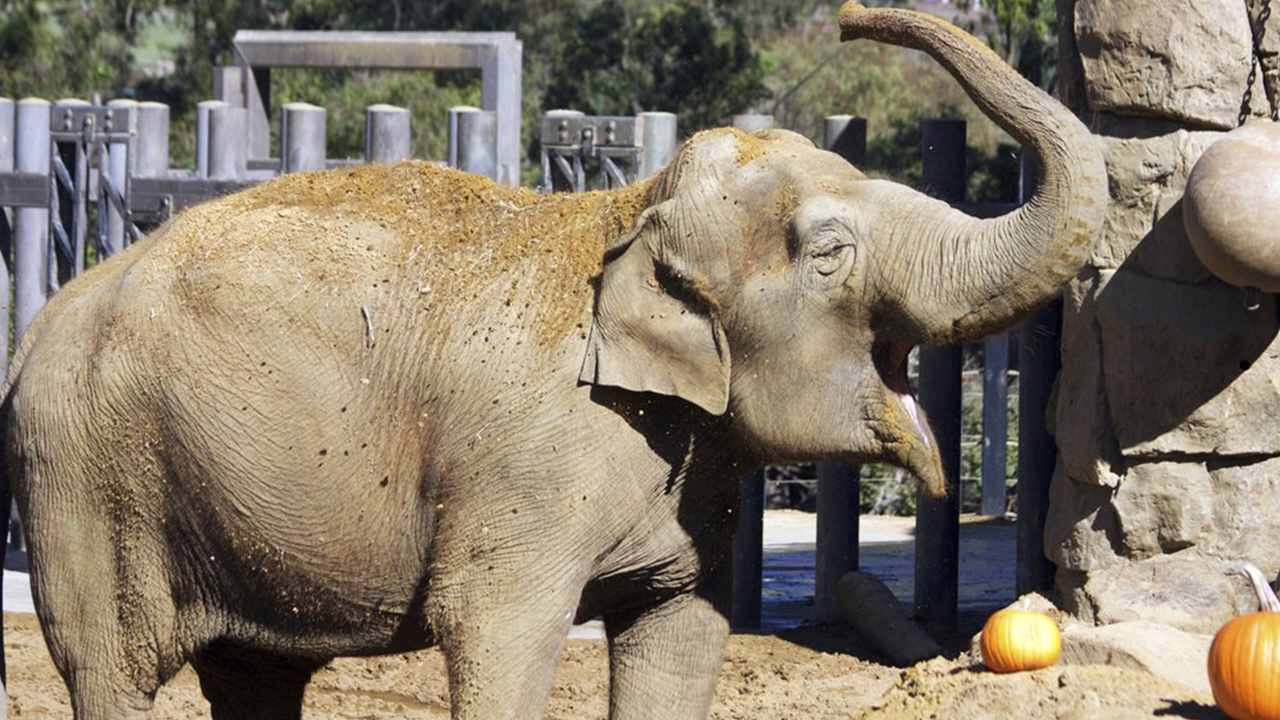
x,y
811,673
800,673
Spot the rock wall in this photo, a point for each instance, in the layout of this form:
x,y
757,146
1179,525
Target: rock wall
x,y
1167,411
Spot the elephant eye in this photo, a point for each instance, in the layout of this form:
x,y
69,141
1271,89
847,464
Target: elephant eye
x,y
829,258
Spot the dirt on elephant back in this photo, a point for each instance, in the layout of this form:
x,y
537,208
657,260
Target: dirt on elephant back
x,y
798,675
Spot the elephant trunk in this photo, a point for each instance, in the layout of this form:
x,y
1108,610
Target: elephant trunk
x,y
962,278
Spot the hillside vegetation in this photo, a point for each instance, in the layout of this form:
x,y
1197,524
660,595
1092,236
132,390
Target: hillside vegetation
x,y
703,59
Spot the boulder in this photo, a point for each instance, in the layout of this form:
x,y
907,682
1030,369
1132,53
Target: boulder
x,y
1160,544
1164,507
1081,528
1187,369
1245,507
1186,60
1081,423
1189,590
1143,229
1161,650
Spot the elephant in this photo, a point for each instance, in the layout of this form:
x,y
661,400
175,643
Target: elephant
x,y
372,409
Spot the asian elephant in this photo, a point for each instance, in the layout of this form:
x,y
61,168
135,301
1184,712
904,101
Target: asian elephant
x,y
366,410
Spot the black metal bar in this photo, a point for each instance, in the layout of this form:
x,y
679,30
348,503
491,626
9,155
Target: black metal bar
x,y
6,240
104,199
112,193
836,552
839,485
24,190
613,173
570,174
62,174
937,573
154,200
995,423
748,554
1039,359
58,232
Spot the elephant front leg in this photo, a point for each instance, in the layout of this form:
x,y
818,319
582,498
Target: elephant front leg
x,y
664,660
501,645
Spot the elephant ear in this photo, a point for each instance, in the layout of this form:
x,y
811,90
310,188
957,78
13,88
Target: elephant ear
x,y
653,330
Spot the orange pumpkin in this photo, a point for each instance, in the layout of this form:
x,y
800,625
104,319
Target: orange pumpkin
x,y
1244,660
1016,640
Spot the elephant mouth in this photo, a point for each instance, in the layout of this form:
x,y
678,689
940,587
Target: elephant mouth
x,y
905,436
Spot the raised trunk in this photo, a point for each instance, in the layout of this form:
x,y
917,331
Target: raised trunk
x,y
962,278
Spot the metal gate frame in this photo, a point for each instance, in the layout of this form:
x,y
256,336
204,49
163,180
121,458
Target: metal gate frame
x,y
569,140
95,134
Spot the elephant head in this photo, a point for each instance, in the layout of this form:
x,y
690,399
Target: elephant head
x,y
773,283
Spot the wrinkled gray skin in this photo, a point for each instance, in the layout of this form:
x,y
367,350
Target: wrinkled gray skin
x,y
265,437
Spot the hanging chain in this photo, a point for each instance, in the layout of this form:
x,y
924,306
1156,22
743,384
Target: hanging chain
x,y
1258,30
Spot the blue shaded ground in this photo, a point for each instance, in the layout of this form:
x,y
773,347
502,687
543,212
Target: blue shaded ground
x,y
987,573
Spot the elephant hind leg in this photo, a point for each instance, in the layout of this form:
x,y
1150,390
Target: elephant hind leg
x,y
242,684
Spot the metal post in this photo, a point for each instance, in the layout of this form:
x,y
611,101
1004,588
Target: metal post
x,y
31,225
748,554
74,214
839,485
302,130
8,128
846,136
228,85
12,535
554,175
451,152
748,551
202,135
387,135
228,143
658,132
501,87
752,122
837,542
937,576
1039,359
153,140
475,143
257,100
118,169
995,422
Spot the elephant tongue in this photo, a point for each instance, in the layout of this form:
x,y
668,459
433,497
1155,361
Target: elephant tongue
x,y
913,411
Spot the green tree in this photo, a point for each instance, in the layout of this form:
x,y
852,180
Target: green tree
x,y
54,48
680,57
1025,34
